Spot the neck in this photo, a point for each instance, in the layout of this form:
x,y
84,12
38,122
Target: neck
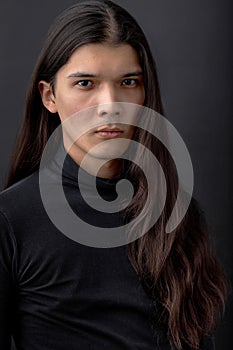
x,y
107,168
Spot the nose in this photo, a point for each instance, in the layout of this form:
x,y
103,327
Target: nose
x,y
108,104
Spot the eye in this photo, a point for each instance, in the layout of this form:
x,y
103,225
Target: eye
x,y
84,83
129,82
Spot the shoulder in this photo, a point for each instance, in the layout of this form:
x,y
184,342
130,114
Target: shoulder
x,y
20,196
21,185
195,217
208,342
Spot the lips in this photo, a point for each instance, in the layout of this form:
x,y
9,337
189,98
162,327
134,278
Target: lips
x,y
108,132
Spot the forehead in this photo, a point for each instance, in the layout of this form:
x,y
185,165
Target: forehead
x,y
103,59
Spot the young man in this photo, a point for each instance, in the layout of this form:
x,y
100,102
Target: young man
x,y
158,291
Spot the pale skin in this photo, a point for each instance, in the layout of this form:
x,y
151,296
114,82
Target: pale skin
x,y
97,75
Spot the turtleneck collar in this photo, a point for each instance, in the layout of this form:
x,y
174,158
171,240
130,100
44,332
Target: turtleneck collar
x,y
74,173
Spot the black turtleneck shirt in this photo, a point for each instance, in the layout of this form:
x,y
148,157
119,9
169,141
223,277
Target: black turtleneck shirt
x,y
58,294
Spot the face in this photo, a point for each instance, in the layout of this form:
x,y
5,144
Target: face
x,y
96,75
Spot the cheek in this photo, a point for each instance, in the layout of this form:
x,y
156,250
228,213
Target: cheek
x,y
138,96
130,132
142,96
67,106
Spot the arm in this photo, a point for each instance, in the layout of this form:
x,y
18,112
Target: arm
x,y
6,283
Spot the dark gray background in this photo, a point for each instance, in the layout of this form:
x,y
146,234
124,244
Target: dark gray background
x,y
191,41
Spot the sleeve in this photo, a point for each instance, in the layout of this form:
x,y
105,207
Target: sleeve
x,y
6,282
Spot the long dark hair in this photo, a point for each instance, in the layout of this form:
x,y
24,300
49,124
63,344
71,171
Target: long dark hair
x,y
179,271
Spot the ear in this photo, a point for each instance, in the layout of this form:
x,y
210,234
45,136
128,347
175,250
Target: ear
x,y
47,96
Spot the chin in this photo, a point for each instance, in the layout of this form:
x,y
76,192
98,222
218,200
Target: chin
x,y
107,155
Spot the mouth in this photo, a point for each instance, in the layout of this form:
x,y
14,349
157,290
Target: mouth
x,y
108,132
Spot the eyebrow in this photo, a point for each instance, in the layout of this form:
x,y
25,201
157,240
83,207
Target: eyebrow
x,y
87,75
